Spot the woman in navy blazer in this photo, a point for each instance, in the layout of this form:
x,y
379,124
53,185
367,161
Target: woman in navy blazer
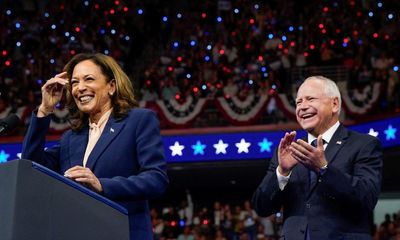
x,y
127,163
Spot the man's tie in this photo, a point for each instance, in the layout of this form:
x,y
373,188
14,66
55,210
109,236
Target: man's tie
x,y
313,178
312,175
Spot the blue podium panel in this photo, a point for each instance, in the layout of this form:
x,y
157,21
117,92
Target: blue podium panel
x,y
39,204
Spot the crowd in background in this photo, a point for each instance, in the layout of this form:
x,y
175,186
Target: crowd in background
x,y
255,46
39,37
235,221
217,48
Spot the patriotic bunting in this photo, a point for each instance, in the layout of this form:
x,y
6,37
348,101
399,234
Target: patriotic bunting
x,y
234,110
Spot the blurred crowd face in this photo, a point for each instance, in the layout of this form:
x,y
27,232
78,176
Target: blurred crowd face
x,y
90,89
315,111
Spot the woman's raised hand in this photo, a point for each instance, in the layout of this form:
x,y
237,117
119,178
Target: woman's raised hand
x,y
52,92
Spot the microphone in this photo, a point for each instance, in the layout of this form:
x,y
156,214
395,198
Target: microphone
x,y
9,123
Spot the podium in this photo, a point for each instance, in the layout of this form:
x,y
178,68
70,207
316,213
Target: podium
x,y
39,204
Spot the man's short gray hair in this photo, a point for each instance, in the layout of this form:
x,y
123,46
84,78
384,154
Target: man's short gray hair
x,y
330,88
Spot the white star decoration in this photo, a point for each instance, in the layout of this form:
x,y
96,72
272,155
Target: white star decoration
x,y
243,146
220,147
372,132
176,149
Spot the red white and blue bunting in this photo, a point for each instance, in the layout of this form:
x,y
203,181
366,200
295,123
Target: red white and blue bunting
x,y
239,112
177,114
234,110
59,121
360,101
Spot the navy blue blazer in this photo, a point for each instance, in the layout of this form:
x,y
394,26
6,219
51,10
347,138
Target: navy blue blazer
x,y
340,204
128,159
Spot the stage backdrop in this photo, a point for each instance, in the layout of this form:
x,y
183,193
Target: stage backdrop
x,y
248,145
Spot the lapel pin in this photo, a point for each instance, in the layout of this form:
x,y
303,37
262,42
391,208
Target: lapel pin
x,y
111,130
339,142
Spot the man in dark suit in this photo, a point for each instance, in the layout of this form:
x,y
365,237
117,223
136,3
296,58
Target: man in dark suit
x,y
328,191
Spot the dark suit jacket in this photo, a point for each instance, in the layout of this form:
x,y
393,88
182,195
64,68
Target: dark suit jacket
x,y
340,204
128,159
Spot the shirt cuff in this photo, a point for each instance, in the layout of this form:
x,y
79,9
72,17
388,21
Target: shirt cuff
x,y
282,180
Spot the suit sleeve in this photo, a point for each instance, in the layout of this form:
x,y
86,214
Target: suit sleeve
x,y
267,199
361,188
34,144
152,179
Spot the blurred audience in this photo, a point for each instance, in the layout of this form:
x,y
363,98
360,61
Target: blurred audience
x,y
177,49
229,221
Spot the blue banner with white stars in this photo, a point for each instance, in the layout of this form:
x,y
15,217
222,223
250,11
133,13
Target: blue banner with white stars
x,y
226,146
235,146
